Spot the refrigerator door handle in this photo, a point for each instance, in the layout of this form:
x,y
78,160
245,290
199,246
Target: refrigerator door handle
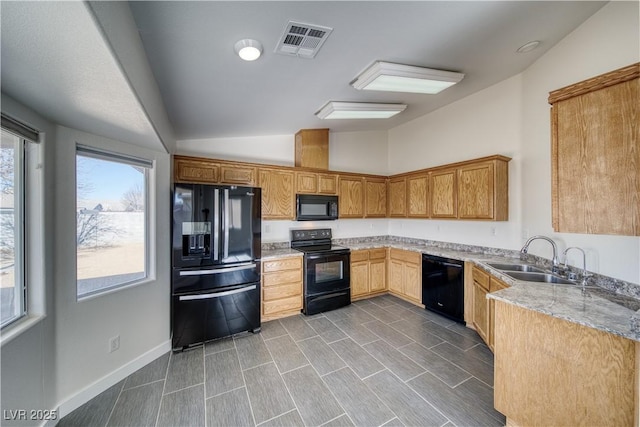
x,y
218,270
217,294
216,223
226,222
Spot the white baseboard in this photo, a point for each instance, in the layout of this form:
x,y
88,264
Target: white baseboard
x,y
86,394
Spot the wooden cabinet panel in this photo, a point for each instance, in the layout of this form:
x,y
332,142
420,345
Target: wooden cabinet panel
x,y
235,174
395,276
312,148
413,282
379,253
278,198
271,293
351,203
275,309
200,171
596,155
377,275
398,197
494,285
306,182
475,191
376,197
278,264
286,276
359,278
327,183
481,311
359,255
417,196
443,194
551,372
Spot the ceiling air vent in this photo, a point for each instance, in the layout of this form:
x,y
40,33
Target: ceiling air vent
x,y
303,40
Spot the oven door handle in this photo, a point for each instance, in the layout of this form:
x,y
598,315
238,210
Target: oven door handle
x,y
217,294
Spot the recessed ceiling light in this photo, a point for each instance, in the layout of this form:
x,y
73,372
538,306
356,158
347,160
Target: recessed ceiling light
x,y
359,110
248,49
528,47
386,76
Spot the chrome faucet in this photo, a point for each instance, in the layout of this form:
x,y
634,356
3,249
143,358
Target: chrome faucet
x,y
525,249
585,276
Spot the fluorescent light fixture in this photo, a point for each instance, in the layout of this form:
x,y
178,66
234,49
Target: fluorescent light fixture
x,y
359,110
248,49
386,76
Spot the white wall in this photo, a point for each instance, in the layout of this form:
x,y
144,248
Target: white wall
x,y
512,118
28,360
607,41
139,314
361,152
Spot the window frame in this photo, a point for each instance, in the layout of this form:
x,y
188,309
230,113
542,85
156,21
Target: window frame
x,y
149,225
20,218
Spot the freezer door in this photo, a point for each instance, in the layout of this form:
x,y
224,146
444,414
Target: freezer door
x,y
195,221
199,318
192,280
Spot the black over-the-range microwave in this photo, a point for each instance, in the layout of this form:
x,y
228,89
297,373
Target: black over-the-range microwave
x,y
314,207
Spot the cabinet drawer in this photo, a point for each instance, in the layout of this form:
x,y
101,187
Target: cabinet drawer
x,y
290,276
284,291
292,263
379,253
406,256
357,256
285,304
481,278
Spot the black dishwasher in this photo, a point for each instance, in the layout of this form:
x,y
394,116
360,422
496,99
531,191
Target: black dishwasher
x,y
443,286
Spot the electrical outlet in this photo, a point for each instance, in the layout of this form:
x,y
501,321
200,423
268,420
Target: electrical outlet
x,y
494,232
114,343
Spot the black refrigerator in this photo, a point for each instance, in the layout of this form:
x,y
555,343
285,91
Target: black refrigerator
x,y
215,289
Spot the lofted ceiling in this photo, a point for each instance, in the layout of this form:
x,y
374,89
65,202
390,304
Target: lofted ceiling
x,y
209,92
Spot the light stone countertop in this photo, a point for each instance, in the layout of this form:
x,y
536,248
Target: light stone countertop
x,y
567,302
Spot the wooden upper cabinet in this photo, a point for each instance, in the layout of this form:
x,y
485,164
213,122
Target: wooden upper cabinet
x,y
443,194
312,148
196,170
238,174
483,191
351,194
375,197
328,183
595,152
398,197
417,196
278,197
316,183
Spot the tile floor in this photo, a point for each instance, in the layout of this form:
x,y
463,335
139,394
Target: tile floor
x,y
377,362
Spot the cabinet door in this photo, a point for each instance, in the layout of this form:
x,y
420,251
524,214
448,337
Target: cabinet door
x,y
494,285
377,275
241,175
376,197
398,197
306,182
443,194
359,278
413,282
327,184
277,194
596,160
481,311
396,268
417,196
200,171
475,191
351,203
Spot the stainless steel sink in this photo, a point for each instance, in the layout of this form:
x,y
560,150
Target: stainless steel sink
x,y
516,267
538,277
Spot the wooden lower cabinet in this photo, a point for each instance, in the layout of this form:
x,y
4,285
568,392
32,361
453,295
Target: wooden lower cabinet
x,y
368,272
281,287
405,274
551,372
483,308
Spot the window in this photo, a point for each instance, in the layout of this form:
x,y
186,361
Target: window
x,y
13,304
112,247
